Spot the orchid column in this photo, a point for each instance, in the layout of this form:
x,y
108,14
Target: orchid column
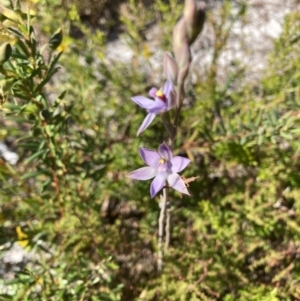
x,y
162,165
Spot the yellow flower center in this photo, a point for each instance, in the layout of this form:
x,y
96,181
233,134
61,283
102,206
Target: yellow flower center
x,y
161,95
161,161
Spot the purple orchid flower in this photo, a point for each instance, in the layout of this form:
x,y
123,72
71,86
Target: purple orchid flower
x,y
163,166
164,100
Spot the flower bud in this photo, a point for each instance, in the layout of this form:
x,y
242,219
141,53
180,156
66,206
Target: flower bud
x,y
194,15
181,49
170,68
185,32
5,52
179,35
183,59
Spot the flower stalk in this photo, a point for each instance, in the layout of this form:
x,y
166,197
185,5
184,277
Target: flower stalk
x,y
161,229
162,165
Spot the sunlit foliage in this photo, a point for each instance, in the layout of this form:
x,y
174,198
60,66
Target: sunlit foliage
x,y
91,233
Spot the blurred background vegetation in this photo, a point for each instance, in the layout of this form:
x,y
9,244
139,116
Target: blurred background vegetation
x,y
88,233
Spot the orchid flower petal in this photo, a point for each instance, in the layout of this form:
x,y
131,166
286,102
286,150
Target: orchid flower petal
x,y
179,163
158,183
147,121
153,92
165,152
158,107
168,86
177,183
162,166
150,157
143,173
171,100
143,101
168,90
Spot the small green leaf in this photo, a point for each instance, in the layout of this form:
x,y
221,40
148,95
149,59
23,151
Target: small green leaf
x,y
36,155
5,38
49,74
56,39
274,117
5,52
34,174
260,140
32,41
243,140
10,14
45,114
23,47
49,130
258,119
17,5
6,297
286,136
15,32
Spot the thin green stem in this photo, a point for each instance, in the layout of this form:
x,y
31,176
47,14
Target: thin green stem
x,y
168,233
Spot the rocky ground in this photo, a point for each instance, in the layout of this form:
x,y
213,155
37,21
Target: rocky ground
x,y
249,43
